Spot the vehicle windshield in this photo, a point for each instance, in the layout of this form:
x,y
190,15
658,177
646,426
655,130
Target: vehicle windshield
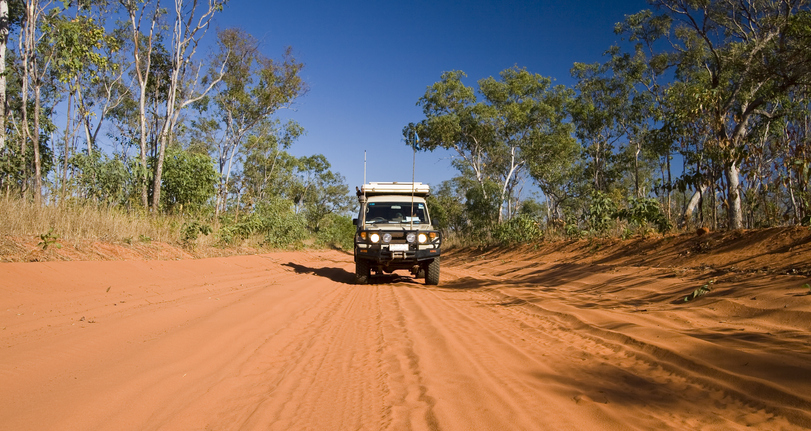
x,y
395,212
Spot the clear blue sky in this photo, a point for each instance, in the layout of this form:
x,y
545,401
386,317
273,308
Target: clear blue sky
x,y
368,63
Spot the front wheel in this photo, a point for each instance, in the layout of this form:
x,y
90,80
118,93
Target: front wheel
x,y
362,272
432,274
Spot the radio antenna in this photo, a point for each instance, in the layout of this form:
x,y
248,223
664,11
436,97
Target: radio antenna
x,y
413,174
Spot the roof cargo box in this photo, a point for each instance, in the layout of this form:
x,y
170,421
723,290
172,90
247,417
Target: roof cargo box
x,y
395,188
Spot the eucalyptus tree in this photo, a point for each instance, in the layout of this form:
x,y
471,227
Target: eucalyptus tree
x,y
267,166
554,167
36,59
190,23
519,113
446,205
604,113
453,121
4,31
319,191
526,114
143,35
105,89
82,46
253,88
793,158
738,56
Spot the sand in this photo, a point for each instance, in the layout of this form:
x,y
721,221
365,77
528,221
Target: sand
x,y
581,335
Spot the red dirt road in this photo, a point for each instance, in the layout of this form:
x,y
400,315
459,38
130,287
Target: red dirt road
x,y
284,341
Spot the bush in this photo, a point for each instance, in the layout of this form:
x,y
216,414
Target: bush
x,y
231,233
283,228
518,230
336,231
191,230
602,211
642,211
188,180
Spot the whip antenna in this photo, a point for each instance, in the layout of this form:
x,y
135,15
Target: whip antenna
x,y
414,146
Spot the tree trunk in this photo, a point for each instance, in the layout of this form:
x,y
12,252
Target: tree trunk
x,y
67,148
692,205
734,197
3,42
636,169
35,143
158,174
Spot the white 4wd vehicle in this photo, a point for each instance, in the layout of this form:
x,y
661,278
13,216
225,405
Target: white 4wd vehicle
x,y
394,231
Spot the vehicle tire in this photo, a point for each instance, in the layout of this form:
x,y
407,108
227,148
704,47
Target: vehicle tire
x,y
432,274
362,272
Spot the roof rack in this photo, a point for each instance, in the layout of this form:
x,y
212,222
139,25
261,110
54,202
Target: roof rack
x,y
395,188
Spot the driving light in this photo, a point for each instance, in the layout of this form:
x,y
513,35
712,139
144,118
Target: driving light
x,y
375,237
410,238
387,237
422,238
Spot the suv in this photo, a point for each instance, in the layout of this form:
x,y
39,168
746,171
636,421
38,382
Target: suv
x,y
394,231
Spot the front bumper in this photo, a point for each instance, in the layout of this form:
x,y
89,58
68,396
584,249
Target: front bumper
x,y
383,253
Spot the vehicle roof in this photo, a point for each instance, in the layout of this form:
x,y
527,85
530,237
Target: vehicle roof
x,y
395,188
395,198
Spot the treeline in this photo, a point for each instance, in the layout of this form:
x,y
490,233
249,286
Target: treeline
x,y
700,119
110,103
702,122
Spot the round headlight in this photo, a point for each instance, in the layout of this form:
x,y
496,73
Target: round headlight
x,y
374,237
387,237
422,238
410,238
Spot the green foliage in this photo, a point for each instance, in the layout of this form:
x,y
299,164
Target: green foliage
x,y
521,116
573,231
447,208
231,233
49,239
518,230
191,230
703,290
188,180
78,44
336,231
101,178
602,212
281,226
318,191
642,211
482,207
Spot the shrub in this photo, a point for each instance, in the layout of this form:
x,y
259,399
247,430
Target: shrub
x,y
188,180
283,228
642,211
518,230
191,230
336,231
602,211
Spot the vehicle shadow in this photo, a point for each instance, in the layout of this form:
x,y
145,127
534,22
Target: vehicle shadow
x,y
338,275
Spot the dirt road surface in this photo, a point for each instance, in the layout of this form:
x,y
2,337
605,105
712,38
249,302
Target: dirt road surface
x,y
285,341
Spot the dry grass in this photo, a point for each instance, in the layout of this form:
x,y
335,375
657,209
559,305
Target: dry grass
x,y
75,222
